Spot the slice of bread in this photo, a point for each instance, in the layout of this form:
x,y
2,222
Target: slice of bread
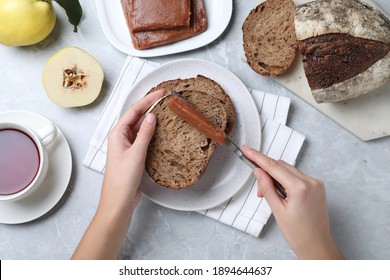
x,y
270,42
178,154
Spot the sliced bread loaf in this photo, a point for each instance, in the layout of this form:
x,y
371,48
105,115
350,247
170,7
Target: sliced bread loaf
x,y
345,47
270,43
178,154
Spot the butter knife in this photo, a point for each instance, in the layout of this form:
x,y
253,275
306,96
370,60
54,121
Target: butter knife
x,y
188,113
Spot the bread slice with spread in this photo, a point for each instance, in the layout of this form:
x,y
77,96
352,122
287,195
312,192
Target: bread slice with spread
x,y
178,154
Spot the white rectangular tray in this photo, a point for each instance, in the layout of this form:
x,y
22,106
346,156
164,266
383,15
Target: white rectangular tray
x,y
367,116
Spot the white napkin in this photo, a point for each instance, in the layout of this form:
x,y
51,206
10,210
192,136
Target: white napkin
x,y
245,211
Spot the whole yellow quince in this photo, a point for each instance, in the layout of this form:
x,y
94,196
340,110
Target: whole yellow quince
x,y
25,22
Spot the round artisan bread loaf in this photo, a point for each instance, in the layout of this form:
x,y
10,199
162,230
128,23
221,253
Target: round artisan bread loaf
x,y
270,44
345,48
178,154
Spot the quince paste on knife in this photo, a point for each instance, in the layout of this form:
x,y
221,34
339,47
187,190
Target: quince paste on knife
x,y
72,78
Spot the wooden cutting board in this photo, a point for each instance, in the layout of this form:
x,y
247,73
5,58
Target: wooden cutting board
x,y
367,116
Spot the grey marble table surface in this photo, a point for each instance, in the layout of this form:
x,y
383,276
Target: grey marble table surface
x,y
356,173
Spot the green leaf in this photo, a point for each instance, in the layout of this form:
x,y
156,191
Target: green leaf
x,y
73,11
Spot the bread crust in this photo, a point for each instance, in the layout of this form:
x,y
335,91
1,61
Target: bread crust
x,y
371,79
341,16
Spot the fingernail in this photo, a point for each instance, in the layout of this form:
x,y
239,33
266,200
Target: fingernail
x,y
160,92
150,118
257,174
247,148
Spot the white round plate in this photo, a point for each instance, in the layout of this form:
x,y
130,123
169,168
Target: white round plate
x,y
226,174
113,22
56,181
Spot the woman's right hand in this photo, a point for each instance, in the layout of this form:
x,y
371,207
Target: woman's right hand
x,y
303,215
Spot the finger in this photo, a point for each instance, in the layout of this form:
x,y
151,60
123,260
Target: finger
x,y
294,170
144,136
276,169
266,189
138,124
137,110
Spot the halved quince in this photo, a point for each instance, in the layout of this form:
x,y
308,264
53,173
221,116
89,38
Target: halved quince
x,y
72,77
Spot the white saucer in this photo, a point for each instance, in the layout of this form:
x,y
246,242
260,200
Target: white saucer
x,y
55,184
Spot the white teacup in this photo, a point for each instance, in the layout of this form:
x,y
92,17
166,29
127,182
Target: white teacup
x,y
23,159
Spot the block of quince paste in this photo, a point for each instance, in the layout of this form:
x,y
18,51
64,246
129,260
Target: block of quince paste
x,y
149,39
147,15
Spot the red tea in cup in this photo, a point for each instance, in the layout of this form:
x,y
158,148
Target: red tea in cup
x,y
19,161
